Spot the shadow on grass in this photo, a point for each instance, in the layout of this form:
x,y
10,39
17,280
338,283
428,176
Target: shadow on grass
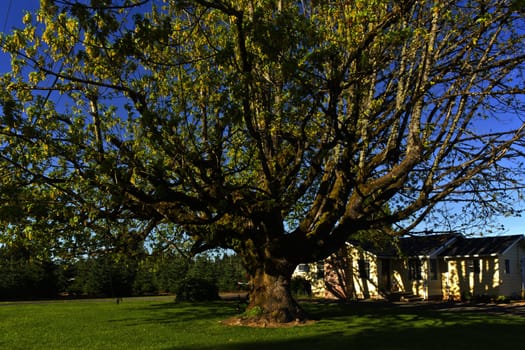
x,y
462,337
361,325
403,327
183,313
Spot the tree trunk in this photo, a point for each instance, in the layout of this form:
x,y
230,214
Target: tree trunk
x,y
271,300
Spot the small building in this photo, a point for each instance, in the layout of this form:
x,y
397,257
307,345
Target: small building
x,y
448,266
493,266
314,274
408,267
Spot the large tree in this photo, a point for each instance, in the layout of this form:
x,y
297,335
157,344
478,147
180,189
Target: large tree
x,y
275,128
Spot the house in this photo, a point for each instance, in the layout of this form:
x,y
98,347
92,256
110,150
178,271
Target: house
x,y
447,266
492,266
313,273
408,266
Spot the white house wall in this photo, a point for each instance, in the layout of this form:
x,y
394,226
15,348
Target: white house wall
x,y
511,283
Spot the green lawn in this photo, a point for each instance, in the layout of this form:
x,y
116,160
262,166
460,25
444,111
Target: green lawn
x,y
161,324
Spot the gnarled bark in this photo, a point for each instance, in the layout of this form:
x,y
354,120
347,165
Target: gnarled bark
x,y
271,300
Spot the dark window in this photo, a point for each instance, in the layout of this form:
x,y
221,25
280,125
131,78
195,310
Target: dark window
x,y
414,269
507,266
364,268
433,269
444,267
320,269
473,266
303,268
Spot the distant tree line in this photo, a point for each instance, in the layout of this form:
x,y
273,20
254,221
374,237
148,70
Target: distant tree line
x,y
110,275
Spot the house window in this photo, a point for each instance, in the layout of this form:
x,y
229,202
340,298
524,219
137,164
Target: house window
x,y
320,270
364,268
303,268
433,269
414,269
507,266
473,266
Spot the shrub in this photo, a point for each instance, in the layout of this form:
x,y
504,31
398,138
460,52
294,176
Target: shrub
x,y
301,287
502,299
196,289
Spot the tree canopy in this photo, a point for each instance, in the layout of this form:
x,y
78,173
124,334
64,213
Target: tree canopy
x,y
274,128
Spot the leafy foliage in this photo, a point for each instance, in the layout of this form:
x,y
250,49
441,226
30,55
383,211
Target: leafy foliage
x,y
276,129
196,289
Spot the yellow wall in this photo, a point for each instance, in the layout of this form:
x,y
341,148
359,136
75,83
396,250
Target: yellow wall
x,y
461,280
400,271
456,278
364,288
314,275
492,279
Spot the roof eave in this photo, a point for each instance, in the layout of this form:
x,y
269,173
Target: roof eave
x,y
468,256
518,239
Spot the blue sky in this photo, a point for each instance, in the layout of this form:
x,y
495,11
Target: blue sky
x,y
11,14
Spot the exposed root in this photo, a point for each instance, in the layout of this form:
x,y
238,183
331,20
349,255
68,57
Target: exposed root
x,y
263,322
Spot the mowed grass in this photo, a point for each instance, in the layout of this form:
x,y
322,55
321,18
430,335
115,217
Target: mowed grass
x,y
162,324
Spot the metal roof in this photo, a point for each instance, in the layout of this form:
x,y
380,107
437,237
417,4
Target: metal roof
x,y
444,245
412,246
481,246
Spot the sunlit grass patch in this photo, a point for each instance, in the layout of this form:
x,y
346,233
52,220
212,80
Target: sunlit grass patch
x,y
163,324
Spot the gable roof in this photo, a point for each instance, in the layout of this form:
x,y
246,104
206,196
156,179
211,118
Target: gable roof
x,y
481,246
444,245
412,246
425,245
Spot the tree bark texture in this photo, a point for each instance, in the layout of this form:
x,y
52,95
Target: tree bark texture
x,y
271,299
